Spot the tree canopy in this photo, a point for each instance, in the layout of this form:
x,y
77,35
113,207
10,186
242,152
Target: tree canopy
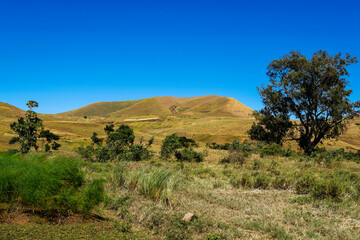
x,y
307,100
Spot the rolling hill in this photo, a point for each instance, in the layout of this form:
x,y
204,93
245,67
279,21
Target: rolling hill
x,y
210,105
10,111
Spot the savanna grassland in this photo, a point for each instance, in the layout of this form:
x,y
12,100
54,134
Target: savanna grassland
x,y
252,191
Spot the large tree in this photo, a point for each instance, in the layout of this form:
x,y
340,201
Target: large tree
x,y
313,92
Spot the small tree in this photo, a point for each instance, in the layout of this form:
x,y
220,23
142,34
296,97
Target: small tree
x,y
30,129
313,91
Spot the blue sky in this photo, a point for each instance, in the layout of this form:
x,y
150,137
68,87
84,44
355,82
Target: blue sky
x,y
66,54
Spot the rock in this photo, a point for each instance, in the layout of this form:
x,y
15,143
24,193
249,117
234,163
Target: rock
x,y
188,217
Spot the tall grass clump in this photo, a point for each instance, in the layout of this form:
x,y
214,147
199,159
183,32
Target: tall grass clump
x,y
47,183
157,184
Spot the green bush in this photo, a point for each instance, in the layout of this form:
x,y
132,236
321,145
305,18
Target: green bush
x,y
55,183
271,150
214,145
138,152
92,195
173,142
189,155
119,145
238,152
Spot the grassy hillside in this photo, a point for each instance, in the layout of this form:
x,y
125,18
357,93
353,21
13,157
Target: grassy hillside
x,y
7,110
206,119
160,106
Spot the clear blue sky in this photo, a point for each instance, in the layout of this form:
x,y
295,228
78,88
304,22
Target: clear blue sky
x,y
69,53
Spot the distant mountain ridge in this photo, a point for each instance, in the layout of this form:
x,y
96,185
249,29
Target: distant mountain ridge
x,y
210,105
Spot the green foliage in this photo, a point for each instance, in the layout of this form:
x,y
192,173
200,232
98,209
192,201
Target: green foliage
x,y
92,195
119,145
139,152
158,183
123,134
271,150
315,91
189,155
239,152
55,183
214,145
96,140
30,129
173,142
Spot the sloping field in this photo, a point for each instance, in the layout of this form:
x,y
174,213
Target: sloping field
x,y
160,106
9,111
206,119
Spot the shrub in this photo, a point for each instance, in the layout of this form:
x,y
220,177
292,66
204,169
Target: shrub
x,y
189,155
36,181
138,152
92,195
86,152
238,152
173,142
119,145
214,145
271,150
102,154
236,157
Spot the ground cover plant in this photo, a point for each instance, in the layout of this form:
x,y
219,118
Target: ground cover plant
x,y
51,184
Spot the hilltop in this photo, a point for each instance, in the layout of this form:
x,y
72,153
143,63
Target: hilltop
x,y
10,111
210,105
